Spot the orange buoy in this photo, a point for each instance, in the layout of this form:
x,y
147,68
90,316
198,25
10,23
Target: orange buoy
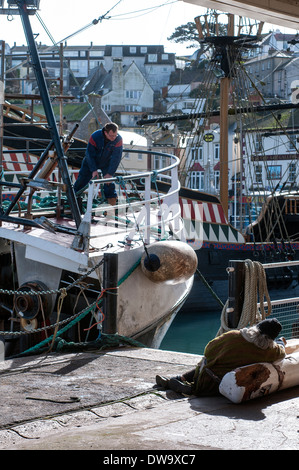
x,y
171,262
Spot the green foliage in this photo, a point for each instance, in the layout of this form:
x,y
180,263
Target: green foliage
x,y
185,33
188,32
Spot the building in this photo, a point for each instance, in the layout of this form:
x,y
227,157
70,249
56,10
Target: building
x,y
155,64
153,61
202,156
125,92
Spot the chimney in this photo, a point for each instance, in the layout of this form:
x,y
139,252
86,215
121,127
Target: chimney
x,y
118,80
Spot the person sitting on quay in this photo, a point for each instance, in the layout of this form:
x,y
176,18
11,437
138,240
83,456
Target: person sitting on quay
x,y
235,348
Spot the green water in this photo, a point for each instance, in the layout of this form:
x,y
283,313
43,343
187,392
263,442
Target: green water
x,y
190,332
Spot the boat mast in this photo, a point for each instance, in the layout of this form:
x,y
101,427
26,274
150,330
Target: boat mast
x,y
228,50
62,161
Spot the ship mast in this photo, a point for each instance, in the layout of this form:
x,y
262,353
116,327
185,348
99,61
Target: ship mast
x,y
224,94
228,49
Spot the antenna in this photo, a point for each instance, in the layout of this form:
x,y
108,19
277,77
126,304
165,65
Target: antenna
x,y
12,7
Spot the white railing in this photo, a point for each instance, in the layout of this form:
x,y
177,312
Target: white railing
x,y
167,204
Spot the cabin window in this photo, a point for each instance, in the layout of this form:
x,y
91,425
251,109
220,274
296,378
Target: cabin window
x,y
274,172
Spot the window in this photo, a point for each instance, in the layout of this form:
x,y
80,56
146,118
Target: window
x,y
117,51
164,56
216,151
196,154
160,162
197,180
258,173
152,57
132,108
96,53
133,94
70,53
274,172
133,49
258,143
75,65
217,179
143,49
292,142
292,172
94,63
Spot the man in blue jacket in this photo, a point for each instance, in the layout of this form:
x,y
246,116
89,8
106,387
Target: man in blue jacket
x,y
104,151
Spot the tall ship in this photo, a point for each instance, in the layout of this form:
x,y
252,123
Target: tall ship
x,y
244,217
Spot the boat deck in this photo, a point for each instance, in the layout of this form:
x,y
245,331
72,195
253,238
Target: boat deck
x,y
74,401
105,234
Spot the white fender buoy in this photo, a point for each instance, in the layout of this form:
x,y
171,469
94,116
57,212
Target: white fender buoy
x,y
260,379
169,261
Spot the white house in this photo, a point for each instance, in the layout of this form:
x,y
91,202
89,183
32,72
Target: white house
x,y
125,92
133,161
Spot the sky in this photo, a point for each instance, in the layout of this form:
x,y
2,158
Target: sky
x,y
146,22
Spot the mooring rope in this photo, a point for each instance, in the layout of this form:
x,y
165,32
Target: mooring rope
x,y
255,287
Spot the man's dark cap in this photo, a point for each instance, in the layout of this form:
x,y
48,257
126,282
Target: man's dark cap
x,y
270,327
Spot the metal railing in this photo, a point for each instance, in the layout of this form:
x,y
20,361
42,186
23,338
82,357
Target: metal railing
x,y
286,310
136,215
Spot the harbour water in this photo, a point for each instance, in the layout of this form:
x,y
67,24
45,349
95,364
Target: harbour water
x,y
191,331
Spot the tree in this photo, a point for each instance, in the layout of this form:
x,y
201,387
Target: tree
x,y
185,33
188,33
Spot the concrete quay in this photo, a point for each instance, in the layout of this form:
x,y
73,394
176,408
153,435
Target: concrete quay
x,y
108,401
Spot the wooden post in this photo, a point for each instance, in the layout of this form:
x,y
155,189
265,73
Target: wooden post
x,y
199,27
236,282
110,279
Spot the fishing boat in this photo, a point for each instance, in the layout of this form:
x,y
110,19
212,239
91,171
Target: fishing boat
x,y
120,270
270,233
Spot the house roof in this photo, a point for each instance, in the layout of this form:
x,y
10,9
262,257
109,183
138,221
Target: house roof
x,y
133,139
